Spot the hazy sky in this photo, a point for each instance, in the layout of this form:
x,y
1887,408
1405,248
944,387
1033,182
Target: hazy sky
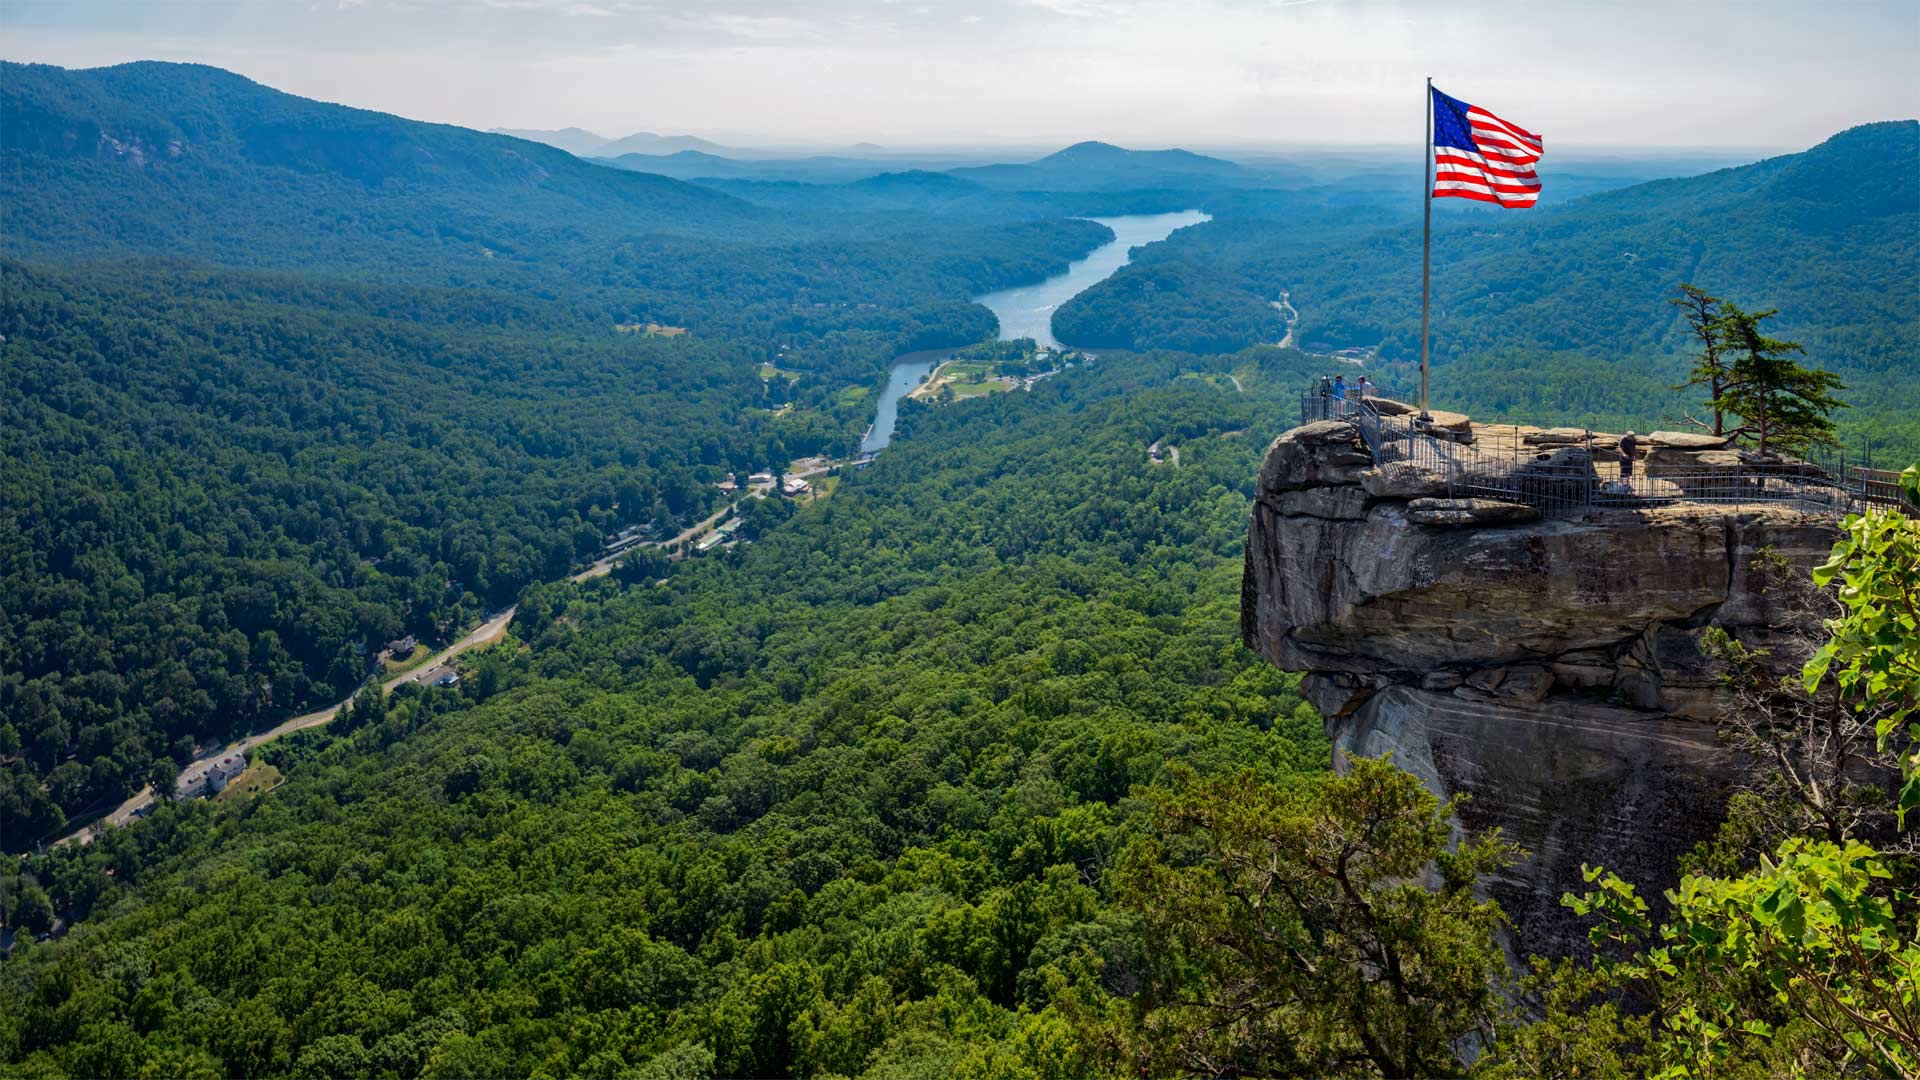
x,y
1143,72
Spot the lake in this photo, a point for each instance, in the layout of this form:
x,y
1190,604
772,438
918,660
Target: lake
x,y
1027,311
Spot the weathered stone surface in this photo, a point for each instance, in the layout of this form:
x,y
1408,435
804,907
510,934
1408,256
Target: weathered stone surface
x,y
1340,502
1570,781
1403,480
1297,459
1566,436
1337,693
1679,461
1552,668
1688,440
1442,420
1457,513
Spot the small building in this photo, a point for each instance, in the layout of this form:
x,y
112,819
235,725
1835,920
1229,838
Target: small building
x,y
709,541
450,679
794,487
211,777
761,478
401,648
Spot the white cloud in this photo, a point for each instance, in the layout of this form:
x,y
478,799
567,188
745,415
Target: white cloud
x,y
1160,72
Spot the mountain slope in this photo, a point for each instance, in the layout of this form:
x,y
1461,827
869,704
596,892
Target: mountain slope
x,y
576,141
1098,166
189,160
1830,236
646,142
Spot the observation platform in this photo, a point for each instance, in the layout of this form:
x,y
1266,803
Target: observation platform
x,y
1565,470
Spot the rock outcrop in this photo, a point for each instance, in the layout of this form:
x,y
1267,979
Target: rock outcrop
x,y
1549,668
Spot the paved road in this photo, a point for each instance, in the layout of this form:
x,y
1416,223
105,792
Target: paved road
x,y
1284,306
604,566
485,634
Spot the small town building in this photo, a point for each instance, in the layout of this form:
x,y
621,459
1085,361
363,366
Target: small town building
x,y
709,541
401,648
210,777
794,487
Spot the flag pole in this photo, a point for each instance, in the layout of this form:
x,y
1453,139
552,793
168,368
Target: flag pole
x,y
1426,252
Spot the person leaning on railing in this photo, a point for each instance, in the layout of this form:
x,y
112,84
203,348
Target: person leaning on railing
x,y
1628,444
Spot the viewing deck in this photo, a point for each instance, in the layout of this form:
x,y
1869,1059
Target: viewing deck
x,y
1568,471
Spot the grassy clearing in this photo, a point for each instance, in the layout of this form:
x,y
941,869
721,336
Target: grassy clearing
x,y
254,781
421,655
768,371
967,390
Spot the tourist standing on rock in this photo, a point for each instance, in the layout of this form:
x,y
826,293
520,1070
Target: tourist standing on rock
x,y
1366,388
1340,387
1628,444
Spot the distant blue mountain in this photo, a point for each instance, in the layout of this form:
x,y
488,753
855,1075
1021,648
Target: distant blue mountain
x,y
183,159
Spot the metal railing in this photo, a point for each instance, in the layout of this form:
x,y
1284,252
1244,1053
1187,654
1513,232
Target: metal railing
x,y
1880,487
1565,471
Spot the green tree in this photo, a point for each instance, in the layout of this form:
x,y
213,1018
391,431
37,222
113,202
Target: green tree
x,y
163,774
1800,966
1874,653
1703,314
1295,932
33,910
1782,403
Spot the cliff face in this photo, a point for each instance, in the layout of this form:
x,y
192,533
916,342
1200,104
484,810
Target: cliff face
x,y
1551,669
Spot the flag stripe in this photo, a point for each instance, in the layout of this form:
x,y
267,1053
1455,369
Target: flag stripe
x,y
1471,191
1510,202
1444,156
1488,183
1477,155
1480,117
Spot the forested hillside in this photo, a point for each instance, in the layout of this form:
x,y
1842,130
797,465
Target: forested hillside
x,y
1831,237
839,800
188,162
225,488
942,772
222,488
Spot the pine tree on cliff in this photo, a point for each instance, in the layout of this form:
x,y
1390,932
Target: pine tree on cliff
x,y
1784,404
1702,311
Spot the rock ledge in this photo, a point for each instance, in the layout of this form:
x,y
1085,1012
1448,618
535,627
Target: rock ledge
x,y
1550,668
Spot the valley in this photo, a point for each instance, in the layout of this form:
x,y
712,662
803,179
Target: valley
x,y
960,758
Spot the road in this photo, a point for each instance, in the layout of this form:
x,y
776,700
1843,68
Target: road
x,y
485,634
1284,306
1153,453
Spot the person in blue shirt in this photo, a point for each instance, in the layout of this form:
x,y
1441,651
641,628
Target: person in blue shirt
x,y
1340,387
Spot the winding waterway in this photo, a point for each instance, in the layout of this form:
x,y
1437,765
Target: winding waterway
x,y
1027,311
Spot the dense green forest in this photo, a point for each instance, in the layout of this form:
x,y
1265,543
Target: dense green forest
x,y
839,799
224,488
229,486
1827,236
960,769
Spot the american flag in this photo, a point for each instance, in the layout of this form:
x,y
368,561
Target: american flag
x,y
1477,155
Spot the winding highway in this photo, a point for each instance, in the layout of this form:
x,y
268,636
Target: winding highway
x,y
442,662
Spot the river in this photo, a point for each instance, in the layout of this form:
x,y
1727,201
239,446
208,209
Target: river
x,y
1027,311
